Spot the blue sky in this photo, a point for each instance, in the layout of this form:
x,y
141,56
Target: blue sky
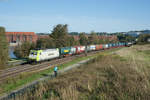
x,y
80,15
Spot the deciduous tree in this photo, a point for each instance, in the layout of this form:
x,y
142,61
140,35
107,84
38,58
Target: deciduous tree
x,y
22,51
93,38
44,43
83,39
144,38
60,35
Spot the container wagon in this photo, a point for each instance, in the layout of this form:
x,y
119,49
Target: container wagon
x,y
92,47
64,51
80,49
72,51
105,46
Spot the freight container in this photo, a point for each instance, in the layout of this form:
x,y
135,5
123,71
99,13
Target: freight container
x,y
106,46
113,45
98,47
116,44
82,48
73,51
88,48
109,45
78,49
92,47
101,46
123,44
120,44
64,51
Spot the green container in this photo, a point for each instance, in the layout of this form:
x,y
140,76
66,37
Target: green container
x,y
65,50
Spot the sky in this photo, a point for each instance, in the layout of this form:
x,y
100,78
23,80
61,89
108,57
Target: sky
x,y
80,15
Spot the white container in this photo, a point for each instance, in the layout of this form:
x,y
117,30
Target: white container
x,y
73,50
92,47
82,48
106,46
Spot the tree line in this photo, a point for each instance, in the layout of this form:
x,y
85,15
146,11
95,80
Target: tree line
x,y
59,37
143,39
140,39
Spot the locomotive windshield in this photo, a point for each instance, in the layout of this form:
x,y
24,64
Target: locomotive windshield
x,y
33,53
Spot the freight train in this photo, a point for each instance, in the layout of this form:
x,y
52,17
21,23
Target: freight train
x,y
48,54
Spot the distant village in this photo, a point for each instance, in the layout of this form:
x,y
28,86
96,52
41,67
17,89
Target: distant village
x,y
15,38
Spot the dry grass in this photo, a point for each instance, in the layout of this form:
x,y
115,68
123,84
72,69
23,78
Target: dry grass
x,y
108,77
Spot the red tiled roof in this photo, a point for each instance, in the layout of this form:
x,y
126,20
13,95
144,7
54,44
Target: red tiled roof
x,y
21,33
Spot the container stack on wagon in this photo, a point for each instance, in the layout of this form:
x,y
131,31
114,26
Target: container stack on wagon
x,y
109,45
72,51
80,49
65,51
92,47
99,47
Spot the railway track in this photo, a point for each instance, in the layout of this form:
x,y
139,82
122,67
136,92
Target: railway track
x,y
12,72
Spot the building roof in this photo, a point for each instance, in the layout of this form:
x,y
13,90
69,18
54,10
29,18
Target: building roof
x,y
20,33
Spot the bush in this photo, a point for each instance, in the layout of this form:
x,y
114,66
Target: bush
x,y
3,48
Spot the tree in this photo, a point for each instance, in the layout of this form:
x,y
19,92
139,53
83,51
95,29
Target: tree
x,y
60,35
121,37
125,38
23,50
143,38
93,38
83,39
3,48
74,33
44,43
101,41
72,41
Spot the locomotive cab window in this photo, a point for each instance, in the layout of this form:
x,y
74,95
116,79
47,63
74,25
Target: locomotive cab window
x,y
35,53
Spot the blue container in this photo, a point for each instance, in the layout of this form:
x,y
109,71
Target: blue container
x,y
109,45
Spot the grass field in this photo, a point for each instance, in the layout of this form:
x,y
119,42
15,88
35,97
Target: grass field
x,y
116,75
24,78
